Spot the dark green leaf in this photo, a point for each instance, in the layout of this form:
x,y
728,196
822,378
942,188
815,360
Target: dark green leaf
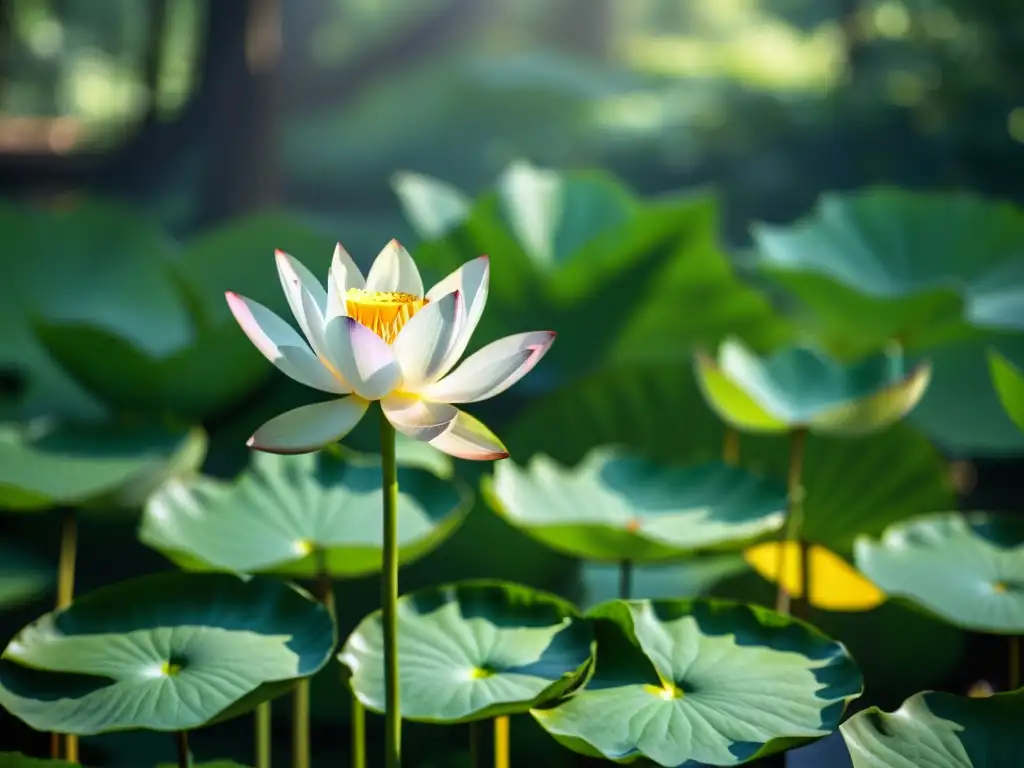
x,y
169,652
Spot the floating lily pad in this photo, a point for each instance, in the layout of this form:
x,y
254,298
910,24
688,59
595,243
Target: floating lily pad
x,y
44,464
1009,381
22,576
683,682
965,568
851,486
472,650
939,730
169,652
888,263
802,387
614,506
114,269
278,513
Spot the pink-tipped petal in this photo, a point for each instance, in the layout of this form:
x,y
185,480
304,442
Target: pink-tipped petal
x,y
282,345
493,369
344,275
309,428
424,343
472,281
467,438
296,281
363,358
394,271
419,419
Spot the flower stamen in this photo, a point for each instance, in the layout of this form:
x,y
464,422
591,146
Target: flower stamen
x,y
383,312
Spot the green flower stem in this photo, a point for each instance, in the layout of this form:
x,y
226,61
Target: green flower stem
x,y
65,594
263,735
389,597
300,724
325,594
794,526
184,757
1014,648
477,739
625,579
358,734
502,742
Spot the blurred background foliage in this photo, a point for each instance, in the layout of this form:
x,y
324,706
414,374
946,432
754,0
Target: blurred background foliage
x,y
153,153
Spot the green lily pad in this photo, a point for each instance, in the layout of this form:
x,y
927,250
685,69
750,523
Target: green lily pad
x,y
965,568
938,730
886,263
283,509
560,262
614,506
169,652
975,426
851,486
1009,382
44,464
682,682
23,577
216,365
114,270
801,387
471,651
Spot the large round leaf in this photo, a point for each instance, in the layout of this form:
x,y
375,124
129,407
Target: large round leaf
x,y
666,250
168,652
681,682
887,263
967,569
218,365
798,387
961,410
93,262
22,576
44,464
852,485
472,650
614,506
939,730
277,514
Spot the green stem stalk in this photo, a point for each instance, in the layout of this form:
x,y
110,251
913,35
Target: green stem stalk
x,y
1014,648
263,735
65,594
300,725
625,579
502,742
358,734
794,527
184,757
389,597
477,739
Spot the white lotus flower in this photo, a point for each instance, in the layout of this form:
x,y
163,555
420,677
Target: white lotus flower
x,y
382,338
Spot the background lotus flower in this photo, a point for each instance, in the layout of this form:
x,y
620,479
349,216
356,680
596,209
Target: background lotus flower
x,y
799,387
383,338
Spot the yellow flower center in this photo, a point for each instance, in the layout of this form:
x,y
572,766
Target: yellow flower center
x,y
382,312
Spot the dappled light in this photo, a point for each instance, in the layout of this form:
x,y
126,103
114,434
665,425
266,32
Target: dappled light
x,y
472,383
